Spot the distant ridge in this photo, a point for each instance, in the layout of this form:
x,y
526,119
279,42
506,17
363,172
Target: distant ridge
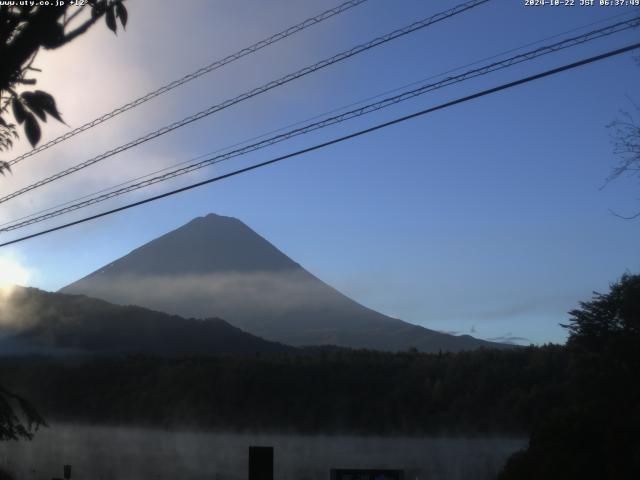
x,y
218,266
38,322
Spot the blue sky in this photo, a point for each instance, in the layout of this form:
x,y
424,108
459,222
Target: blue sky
x,y
486,218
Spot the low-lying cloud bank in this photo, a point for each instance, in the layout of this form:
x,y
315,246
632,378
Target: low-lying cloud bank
x,y
218,294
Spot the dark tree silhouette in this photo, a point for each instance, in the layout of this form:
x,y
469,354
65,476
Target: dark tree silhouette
x,y
625,137
24,29
18,418
596,434
608,320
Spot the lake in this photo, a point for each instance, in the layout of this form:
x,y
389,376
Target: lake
x,y
110,453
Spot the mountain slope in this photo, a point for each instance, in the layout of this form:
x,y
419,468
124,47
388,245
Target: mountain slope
x,y
217,266
34,321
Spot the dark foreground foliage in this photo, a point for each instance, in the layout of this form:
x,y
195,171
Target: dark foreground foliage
x,y
18,418
4,475
321,391
596,434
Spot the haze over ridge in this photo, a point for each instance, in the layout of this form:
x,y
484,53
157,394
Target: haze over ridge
x,y
218,266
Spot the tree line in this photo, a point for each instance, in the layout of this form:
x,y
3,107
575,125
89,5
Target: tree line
x,y
322,390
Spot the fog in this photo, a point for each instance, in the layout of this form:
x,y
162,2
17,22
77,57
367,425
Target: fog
x,y
107,453
18,310
223,294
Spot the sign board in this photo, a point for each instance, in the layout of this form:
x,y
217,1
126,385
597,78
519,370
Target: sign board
x,y
260,463
368,474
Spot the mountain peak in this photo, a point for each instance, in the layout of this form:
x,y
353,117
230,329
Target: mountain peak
x,y
205,245
214,218
218,266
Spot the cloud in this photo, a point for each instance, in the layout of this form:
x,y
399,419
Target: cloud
x,y
17,310
99,72
510,339
228,295
12,272
449,332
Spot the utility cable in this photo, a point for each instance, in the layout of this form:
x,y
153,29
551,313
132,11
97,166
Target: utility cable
x,y
319,146
315,117
387,102
193,75
252,93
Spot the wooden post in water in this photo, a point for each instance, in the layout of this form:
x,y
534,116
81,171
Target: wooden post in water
x,y
260,463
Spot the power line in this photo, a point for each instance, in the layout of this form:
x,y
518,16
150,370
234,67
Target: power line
x,y
387,102
334,110
359,133
315,117
193,75
252,93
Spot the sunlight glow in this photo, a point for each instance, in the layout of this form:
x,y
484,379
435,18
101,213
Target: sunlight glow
x,y
11,273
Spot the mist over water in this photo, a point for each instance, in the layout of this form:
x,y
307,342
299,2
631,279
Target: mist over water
x,y
106,453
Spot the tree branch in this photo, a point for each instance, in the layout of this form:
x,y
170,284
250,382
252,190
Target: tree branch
x,y
80,30
632,217
72,16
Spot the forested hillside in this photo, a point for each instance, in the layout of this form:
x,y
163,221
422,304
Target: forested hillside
x,y
319,391
33,320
